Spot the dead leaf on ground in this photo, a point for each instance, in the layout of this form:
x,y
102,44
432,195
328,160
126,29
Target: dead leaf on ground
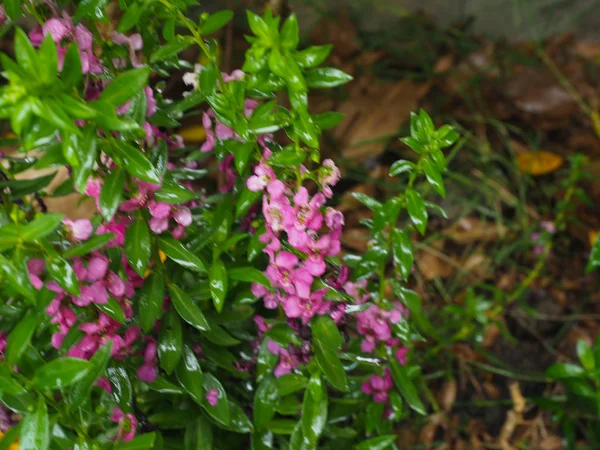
x,y
471,229
447,395
433,263
356,239
341,33
537,92
373,113
552,442
539,162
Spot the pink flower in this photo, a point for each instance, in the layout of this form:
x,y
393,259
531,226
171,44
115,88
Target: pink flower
x,y
3,342
264,177
401,355
305,213
183,216
212,397
127,424
374,325
287,360
148,371
159,210
150,101
35,266
226,168
379,386
282,273
305,308
79,230
97,267
329,175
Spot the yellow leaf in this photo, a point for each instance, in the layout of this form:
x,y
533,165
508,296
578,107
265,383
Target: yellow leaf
x,y
193,134
539,163
163,258
592,235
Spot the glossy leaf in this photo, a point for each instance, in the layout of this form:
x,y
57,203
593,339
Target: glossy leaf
x,y
326,77
187,309
137,244
314,410
199,435
170,342
313,56
290,383
99,361
215,22
20,337
173,193
218,284
35,430
125,86
220,412
151,300
122,390
434,176
326,343
248,274
62,272
378,443
403,252
172,48
416,210
190,375
406,386
17,279
112,193
266,401
93,243
565,370
134,162
61,373
141,442
7,384
594,261
176,251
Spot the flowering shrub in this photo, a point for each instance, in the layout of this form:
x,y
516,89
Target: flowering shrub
x,y
182,315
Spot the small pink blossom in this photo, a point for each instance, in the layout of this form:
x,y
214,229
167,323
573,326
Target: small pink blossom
x,y
79,230
212,397
127,424
378,386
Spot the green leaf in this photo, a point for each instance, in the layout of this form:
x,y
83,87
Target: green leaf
x,y
71,73
187,309
290,36
113,309
125,86
403,252
313,56
91,9
61,373
245,201
172,48
434,176
87,153
219,336
81,390
137,244
586,356
130,18
401,166
447,136
62,272
94,243
190,375
222,220
565,370
25,53
48,59
314,410
326,343
283,334
112,193
594,261
173,193
218,283
135,162
20,337
406,386
220,412
414,144
20,188
7,384
366,200
176,251
198,435
258,26
170,342
416,210
10,437
326,77
121,387
141,442
378,443
327,120
215,22
266,401
41,227
35,431
12,8
248,274
240,423
266,361
17,279
290,383
151,300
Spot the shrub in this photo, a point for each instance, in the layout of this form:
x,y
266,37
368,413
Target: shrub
x,y
182,316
